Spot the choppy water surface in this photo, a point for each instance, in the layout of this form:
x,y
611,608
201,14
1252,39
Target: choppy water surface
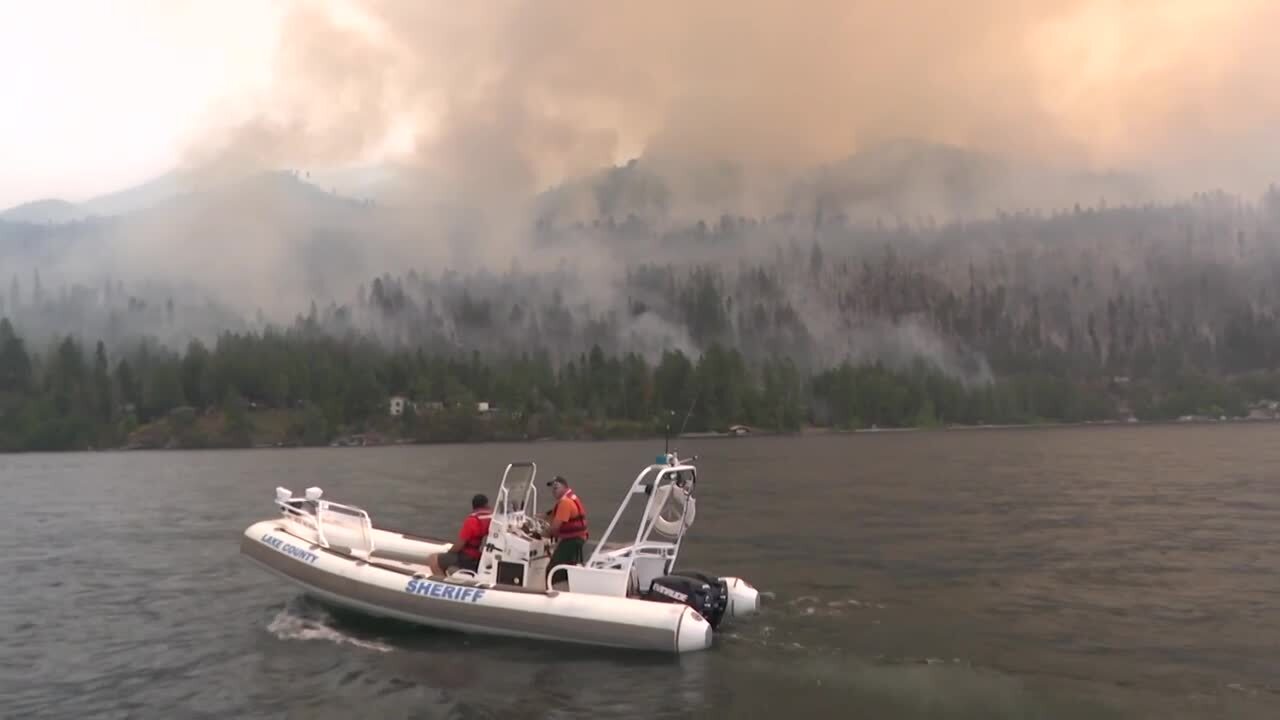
x,y
1119,572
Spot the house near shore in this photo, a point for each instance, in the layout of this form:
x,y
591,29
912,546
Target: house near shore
x,y
398,403
1264,410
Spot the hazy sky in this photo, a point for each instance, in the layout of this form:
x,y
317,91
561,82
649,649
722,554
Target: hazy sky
x,y
99,94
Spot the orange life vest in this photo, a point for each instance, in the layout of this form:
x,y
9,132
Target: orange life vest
x,y
576,525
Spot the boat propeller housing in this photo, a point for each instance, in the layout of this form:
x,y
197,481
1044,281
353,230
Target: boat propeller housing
x,y
709,596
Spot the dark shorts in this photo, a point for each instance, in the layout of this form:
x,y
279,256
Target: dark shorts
x,y
567,552
458,560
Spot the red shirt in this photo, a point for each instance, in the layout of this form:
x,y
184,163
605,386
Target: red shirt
x,y
474,530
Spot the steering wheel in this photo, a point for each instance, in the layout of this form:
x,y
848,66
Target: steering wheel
x,y
536,526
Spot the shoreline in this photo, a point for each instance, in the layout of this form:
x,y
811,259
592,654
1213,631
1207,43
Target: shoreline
x,y
808,431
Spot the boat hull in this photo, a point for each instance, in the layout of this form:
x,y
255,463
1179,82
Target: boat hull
x,y
381,590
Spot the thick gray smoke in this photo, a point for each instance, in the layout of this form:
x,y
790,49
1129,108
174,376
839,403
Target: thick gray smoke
x,y
909,112
516,121
508,98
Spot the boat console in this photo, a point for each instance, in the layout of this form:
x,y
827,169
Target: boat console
x,y
517,550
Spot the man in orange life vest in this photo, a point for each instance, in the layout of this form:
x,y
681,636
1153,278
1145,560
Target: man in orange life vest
x,y
465,553
568,525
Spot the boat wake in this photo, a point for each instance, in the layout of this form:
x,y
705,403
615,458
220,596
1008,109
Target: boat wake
x,y
300,620
787,620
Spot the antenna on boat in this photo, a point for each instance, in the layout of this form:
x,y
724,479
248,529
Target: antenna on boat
x,y
688,414
666,435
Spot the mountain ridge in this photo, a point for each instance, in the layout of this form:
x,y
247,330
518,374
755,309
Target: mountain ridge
x,y
900,177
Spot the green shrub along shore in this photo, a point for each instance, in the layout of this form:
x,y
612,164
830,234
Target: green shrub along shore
x,y
299,386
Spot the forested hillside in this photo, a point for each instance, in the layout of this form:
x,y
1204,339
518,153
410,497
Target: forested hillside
x,y
1083,314
1096,292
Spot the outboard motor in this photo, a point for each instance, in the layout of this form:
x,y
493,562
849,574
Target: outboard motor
x,y
706,594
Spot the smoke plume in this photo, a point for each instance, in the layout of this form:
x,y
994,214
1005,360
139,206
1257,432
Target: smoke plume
x,y
507,130
507,98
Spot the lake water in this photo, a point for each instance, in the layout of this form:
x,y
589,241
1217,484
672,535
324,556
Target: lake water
x,y
1092,573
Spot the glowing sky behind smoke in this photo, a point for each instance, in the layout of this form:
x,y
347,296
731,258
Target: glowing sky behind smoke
x,y
507,97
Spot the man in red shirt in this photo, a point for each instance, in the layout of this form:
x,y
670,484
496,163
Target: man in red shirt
x,y
465,553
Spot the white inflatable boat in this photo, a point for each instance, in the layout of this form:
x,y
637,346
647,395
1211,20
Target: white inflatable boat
x,y
627,595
